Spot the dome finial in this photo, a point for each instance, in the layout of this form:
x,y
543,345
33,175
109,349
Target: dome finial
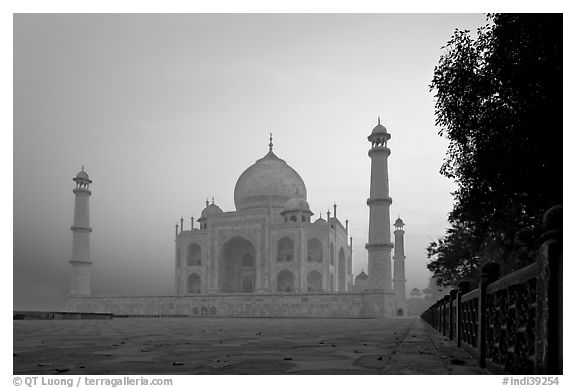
x,y
82,167
270,145
212,200
378,120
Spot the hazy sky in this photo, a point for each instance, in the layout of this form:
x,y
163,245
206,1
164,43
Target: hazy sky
x,y
165,111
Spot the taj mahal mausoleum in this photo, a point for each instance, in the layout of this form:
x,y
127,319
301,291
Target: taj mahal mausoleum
x,y
269,244
267,258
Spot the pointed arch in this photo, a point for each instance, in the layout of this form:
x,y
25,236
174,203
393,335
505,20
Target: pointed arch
x,y
285,281
314,250
194,255
332,253
331,282
194,284
285,250
236,266
314,281
341,270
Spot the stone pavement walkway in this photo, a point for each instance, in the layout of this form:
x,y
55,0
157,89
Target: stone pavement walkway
x,y
142,346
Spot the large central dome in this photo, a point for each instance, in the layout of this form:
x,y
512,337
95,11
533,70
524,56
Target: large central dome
x,y
268,182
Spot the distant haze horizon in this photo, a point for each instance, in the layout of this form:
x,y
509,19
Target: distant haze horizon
x,y
167,110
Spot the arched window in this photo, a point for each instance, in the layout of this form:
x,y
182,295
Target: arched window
x,y
285,281
247,285
194,284
193,257
293,219
285,249
341,270
332,253
314,248
314,281
331,282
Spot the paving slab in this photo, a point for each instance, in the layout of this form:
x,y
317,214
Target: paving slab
x,y
144,346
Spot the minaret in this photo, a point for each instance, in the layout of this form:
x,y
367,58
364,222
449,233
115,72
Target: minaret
x,y
379,245
399,272
80,263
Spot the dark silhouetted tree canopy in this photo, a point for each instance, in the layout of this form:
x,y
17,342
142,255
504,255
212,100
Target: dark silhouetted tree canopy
x,y
499,103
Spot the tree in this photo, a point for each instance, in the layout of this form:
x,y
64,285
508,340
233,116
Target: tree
x,y
415,293
434,291
499,103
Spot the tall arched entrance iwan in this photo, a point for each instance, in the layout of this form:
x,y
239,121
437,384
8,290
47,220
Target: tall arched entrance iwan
x,y
237,266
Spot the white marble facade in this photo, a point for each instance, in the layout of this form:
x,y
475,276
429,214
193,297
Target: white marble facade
x,y
268,244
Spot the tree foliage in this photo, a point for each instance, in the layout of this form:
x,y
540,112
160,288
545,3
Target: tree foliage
x,y
434,291
415,293
499,103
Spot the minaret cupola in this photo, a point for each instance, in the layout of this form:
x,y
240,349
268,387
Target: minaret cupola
x,y
399,224
379,136
82,180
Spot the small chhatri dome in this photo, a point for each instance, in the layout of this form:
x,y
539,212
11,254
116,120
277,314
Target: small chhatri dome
x,y
82,176
399,222
320,221
297,203
378,129
268,182
211,210
362,276
379,135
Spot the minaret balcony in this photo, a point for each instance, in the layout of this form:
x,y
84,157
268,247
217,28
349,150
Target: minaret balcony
x,y
86,263
379,150
77,228
379,201
381,246
81,190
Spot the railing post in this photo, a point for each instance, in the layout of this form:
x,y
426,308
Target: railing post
x,y
451,315
490,273
435,314
441,315
549,329
438,315
445,305
463,288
